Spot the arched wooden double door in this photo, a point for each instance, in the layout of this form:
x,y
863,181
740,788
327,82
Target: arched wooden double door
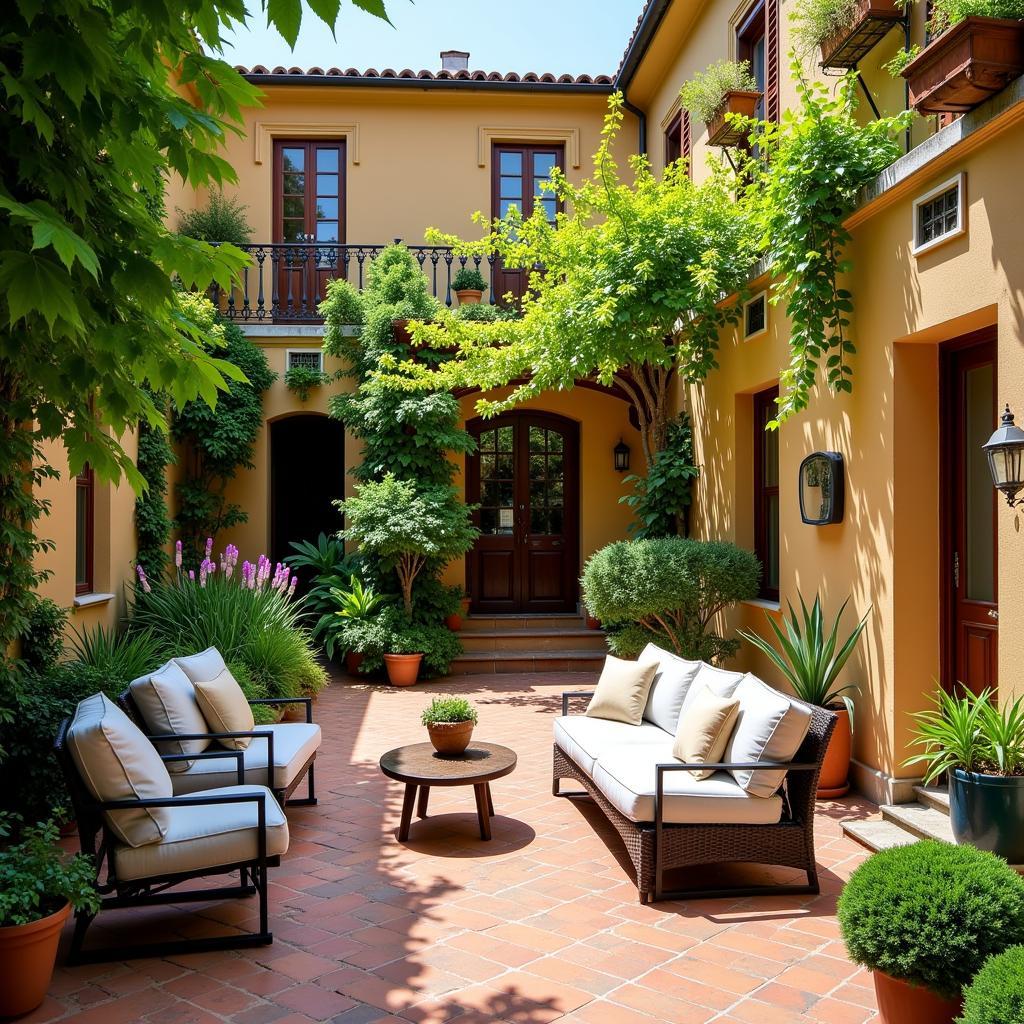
x,y
524,477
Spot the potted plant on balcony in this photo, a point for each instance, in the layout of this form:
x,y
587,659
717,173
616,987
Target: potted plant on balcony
x,y
843,30
981,746
810,660
977,49
39,887
723,88
923,919
469,284
449,722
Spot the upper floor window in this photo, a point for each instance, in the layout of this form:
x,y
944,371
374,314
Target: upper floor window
x,y
85,517
755,315
766,492
939,215
751,35
677,138
309,190
307,358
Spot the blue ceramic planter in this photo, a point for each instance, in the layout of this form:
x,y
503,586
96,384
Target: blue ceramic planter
x,y
987,811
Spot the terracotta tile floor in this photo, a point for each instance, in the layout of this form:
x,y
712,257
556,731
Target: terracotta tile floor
x,y
540,924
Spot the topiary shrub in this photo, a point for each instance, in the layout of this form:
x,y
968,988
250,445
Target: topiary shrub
x,y
668,590
996,996
931,913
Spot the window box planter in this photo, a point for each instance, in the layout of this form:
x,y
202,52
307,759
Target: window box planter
x,y
967,64
720,131
873,21
987,811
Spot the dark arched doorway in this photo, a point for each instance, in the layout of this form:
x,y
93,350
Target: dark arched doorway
x,y
307,474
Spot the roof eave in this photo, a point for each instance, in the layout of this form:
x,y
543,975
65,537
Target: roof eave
x,y
650,22
470,85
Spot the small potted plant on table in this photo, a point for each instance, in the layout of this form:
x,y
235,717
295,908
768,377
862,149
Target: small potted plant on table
x,y
923,919
450,722
723,88
981,746
469,284
39,887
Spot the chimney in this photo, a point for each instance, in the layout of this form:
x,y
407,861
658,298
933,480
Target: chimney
x,y
454,60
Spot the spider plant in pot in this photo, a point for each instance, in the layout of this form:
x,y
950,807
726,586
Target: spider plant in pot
x,y
449,722
357,603
981,747
810,657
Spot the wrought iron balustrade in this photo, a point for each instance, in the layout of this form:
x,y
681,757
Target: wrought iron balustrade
x,y
287,281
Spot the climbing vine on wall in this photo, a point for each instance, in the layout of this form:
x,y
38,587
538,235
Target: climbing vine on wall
x,y
152,519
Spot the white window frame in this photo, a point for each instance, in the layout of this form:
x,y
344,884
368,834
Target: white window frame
x,y
958,181
761,295
303,351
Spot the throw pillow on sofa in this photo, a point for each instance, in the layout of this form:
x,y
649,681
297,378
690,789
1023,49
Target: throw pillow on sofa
x,y
719,681
770,727
672,681
622,690
704,733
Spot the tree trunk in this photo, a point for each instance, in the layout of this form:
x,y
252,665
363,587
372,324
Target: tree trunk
x,y
648,389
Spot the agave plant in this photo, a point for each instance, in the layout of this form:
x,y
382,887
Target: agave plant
x,y
811,656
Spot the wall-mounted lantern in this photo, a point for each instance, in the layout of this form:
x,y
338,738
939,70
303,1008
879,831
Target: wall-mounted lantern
x,y
621,454
822,488
1005,451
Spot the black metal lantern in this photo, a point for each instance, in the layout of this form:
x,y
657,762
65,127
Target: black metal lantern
x,y
822,488
1005,451
621,453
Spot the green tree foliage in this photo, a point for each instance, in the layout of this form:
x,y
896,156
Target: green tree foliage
x,y
219,440
931,913
996,996
152,519
99,104
668,591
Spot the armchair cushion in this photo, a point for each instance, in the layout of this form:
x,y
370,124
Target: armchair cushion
x,y
117,762
770,727
294,744
166,701
203,666
205,837
705,731
225,707
584,739
622,690
672,681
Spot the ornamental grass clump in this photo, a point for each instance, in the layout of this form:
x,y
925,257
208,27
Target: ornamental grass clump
x,y
447,710
996,996
931,913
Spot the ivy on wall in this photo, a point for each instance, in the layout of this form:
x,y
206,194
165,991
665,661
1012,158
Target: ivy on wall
x,y
152,519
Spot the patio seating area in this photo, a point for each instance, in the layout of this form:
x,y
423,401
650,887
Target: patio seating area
x,y
541,923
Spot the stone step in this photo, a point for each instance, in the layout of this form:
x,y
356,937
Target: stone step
x,y
936,797
508,662
471,623
508,640
877,835
920,821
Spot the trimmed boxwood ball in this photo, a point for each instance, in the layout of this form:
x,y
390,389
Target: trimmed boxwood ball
x,y
996,996
931,913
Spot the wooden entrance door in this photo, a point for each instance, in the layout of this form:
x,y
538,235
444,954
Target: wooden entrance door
x,y
971,556
525,478
309,223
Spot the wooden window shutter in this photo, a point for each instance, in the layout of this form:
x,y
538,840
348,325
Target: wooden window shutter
x,y
687,144
771,54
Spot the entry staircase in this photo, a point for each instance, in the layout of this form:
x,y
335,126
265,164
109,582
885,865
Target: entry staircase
x,y
529,643
926,818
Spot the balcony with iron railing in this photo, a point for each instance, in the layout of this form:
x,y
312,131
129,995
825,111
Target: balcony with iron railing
x,y
286,281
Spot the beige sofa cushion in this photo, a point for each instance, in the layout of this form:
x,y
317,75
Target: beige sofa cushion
x,y
719,681
705,731
626,776
202,667
166,701
584,739
294,744
117,762
225,708
770,727
672,681
622,690
206,837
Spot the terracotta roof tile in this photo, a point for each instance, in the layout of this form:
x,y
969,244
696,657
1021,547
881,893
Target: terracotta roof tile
x,y
370,74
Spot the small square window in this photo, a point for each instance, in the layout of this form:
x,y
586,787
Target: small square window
x,y
755,315
309,358
939,215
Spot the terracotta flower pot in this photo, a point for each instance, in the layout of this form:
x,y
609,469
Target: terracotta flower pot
x,y
402,668
899,1002
450,737
27,955
469,297
835,769
454,622
722,132
353,659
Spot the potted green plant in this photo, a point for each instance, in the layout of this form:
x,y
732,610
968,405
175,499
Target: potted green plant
x,y
981,746
723,88
454,607
996,996
469,284
39,887
449,722
302,379
810,658
977,49
923,919
357,603
837,27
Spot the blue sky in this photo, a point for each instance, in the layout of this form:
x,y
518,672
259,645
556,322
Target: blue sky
x,y
561,36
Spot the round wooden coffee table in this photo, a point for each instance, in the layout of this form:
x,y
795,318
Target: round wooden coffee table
x,y
420,766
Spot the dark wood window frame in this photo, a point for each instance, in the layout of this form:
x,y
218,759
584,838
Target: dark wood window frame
x,y
765,407
677,140
85,487
761,21
310,194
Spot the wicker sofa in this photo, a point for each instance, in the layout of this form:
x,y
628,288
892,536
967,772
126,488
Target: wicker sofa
x,y
750,810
